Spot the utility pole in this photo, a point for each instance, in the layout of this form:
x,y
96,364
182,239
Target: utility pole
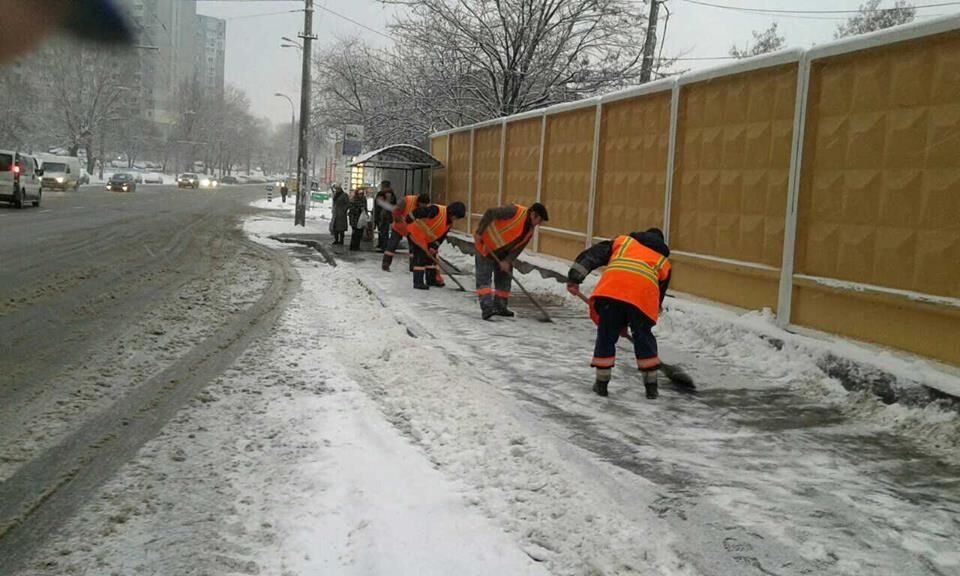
x,y
650,42
303,154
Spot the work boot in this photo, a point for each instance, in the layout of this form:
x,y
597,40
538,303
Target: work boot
x,y
387,261
487,312
433,279
650,384
603,378
418,282
502,310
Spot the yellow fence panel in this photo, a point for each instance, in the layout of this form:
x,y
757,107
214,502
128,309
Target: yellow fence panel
x,y
732,169
560,245
568,154
458,172
438,177
522,161
880,187
486,168
632,165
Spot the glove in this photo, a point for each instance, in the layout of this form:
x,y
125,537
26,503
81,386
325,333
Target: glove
x,y
432,250
573,288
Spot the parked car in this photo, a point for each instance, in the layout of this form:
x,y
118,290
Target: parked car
x,y
188,180
20,178
122,182
229,180
61,173
153,178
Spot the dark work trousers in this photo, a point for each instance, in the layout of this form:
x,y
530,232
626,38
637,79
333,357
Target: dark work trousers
x,y
615,316
383,234
495,297
355,237
422,267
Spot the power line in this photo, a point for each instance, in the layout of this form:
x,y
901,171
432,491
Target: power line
x,y
261,14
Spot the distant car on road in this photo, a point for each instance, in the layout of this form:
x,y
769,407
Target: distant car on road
x,y
122,182
20,178
229,180
153,178
188,180
208,181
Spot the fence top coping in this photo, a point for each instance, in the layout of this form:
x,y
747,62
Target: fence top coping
x,y
779,58
662,85
888,36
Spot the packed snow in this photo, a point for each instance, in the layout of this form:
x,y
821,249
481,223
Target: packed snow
x,y
381,430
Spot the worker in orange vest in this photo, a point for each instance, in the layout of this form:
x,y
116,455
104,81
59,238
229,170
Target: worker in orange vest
x,y
427,226
501,236
398,230
630,293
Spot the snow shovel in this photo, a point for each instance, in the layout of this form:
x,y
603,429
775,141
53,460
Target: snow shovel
x,y
675,374
545,317
437,261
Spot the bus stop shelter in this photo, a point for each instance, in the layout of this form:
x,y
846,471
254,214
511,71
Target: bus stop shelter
x,y
414,165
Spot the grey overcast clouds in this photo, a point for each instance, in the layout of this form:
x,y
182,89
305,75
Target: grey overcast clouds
x,y
256,62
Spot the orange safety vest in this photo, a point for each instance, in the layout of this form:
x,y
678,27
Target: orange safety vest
x,y
423,231
633,276
404,207
500,233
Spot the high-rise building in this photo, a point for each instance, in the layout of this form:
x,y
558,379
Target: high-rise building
x,y
170,27
209,53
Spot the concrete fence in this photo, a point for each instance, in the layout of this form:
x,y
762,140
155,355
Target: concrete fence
x,y
822,184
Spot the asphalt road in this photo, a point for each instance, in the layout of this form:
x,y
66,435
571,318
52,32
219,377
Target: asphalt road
x,y
115,309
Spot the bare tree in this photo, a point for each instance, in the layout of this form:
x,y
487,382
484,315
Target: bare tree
x,y
871,18
89,86
523,54
770,40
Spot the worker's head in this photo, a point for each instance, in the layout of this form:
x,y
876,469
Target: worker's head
x,y
423,199
656,232
456,210
538,213
385,184
26,22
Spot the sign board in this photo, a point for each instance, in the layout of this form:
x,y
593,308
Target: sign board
x,y
352,140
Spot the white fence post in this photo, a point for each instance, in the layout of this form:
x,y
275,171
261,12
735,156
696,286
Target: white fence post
x,y
671,158
594,160
785,294
543,138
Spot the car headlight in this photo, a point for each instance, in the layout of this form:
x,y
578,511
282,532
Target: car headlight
x,y
124,186
213,183
59,179
204,182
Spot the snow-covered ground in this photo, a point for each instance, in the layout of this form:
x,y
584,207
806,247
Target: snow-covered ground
x,y
381,430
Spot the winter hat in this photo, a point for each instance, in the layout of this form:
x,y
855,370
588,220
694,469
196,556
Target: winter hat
x,y
540,210
423,198
457,210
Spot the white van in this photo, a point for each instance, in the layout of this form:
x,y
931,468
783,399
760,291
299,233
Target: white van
x,y
20,178
61,172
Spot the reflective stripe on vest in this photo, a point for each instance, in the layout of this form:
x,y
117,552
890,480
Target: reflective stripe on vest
x,y
424,231
502,232
635,265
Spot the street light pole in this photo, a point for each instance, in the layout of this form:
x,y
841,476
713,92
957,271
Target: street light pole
x,y
300,216
293,124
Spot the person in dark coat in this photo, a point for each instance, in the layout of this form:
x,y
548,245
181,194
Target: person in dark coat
x,y
382,218
338,226
629,294
358,207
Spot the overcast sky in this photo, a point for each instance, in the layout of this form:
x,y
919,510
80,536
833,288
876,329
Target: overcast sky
x,y
256,63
